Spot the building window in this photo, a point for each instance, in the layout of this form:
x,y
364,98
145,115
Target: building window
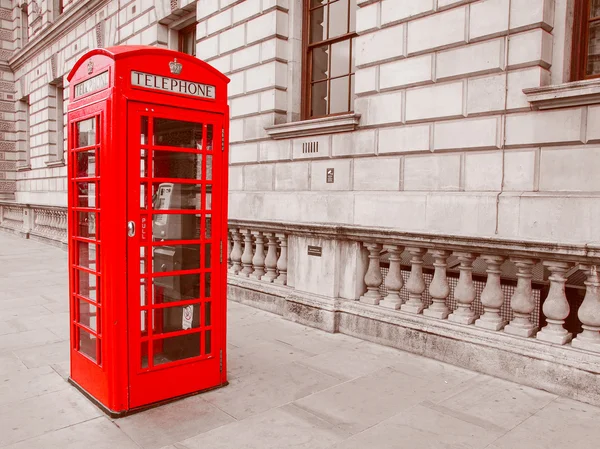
x,y
187,40
24,25
586,40
23,123
57,112
58,8
329,57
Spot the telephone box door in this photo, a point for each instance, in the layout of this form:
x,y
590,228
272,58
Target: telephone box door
x,y
174,206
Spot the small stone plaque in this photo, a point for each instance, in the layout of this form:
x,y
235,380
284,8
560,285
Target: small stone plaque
x,y
330,176
315,251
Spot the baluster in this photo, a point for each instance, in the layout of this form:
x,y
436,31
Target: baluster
x,y
492,296
258,261
393,280
589,312
439,288
464,293
556,307
282,261
247,255
373,277
415,284
271,259
522,302
229,248
236,252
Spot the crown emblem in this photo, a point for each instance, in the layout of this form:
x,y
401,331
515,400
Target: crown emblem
x,y
90,66
175,67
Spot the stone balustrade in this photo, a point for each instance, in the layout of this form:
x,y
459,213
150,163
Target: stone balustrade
x,y
45,223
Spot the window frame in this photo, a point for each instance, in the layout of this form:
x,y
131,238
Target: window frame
x,y
306,91
180,37
579,51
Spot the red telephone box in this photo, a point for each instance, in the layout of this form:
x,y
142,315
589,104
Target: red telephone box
x,y
148,160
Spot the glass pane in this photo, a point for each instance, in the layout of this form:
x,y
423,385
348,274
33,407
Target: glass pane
x,y
594,8
172,164
318,25
86,132
86,255
175,227
86,194
207,285
87,344
208,227
176,258
188,42
86,225
176,348
86,164
176,133
319,99
173,196
207,342
207,317
209,137
320,63
340,94
142,259
175,319
144,130
338,18
143,295
144,322
314,3
207,255
209,167
208,197
88,315
143,196
593,63
340,58
143,163
144,355
87,285
176,288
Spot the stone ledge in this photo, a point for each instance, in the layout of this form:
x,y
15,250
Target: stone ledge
x,y
578,93
314,127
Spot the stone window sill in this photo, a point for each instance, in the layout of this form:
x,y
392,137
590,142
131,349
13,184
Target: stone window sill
x,y
56,163
23,167
314,127
578,93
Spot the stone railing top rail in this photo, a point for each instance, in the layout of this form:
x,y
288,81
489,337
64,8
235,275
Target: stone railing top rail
x,y
588,253
33,206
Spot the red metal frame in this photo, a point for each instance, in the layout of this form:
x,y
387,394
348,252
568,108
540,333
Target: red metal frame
x,y
115,378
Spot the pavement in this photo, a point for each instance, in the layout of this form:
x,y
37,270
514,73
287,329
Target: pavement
x,y
291,386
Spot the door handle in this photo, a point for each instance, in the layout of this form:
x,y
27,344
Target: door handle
x,y
130,228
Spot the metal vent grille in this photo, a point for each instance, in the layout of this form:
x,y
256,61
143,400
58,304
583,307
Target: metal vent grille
x,y
100,34
310,147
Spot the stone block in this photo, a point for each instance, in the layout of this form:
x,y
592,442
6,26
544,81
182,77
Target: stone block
x,y
488,18
532,13
311,147
222,64
207,48
275,150
317,275
273,99
480,133
367,18
519,170
530,48
206,8
474,59
355,143
539,127
245,57
231,39
366,80
486,94
380,109
293,176
404,211
464,213
404,139
236,177
439,101
236,130
398,10
376,46
523,79
407,72
342,173
245,10
593,121
254,126
273,74
570,169
483,171
246,105
432,172
449,29
236,84
267,25
219,22
351,271
243,153
381,173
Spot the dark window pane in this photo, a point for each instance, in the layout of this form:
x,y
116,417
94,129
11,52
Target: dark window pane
x,y
172,164
207,255
340,58
87,345
86,164
188,41
318,25
174,319
176,348
207,316
338,18
209,137
315,3
176,288
319,99
207,342
340,91
594,8
593,63
175,227
208,226
207,285
86,132
175,133
320,63
176,258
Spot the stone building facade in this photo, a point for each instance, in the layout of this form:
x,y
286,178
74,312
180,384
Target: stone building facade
x,y
420,173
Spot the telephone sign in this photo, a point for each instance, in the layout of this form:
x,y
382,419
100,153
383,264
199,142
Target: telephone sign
x,y
147,222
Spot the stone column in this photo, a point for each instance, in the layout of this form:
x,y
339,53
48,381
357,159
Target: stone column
x,y
282,262
247,255
271,259
393,280
258,261
439,288
464,293
556,307
415,284
522,302
229,248
236,252
589,312
492,296
373,277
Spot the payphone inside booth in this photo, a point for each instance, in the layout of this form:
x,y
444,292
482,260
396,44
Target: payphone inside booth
x,y
147,278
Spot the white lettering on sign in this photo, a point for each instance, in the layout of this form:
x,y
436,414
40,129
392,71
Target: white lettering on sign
x,y
97,82
172,85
